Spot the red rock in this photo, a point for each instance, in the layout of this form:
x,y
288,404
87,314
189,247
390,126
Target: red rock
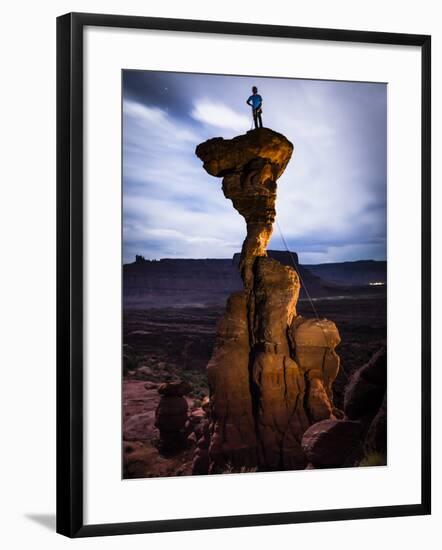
x,y
201,462
376,438
171,418
139,426
205,404
144,372
201,459
151,385
332,443
178,388
192,439
197,415
233,429
365,391
314,343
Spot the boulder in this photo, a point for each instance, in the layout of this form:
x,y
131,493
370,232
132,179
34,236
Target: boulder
x,y
376,438
332,443
171,416
205,404
151,385
177,389
143,373
365,391
360,437
139,427
314,342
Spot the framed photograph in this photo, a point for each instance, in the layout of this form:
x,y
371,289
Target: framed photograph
x,y
243,274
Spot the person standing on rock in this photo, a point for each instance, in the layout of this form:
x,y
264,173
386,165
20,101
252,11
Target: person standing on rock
x,y
255,101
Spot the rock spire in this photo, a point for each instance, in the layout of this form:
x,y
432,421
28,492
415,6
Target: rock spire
x,y
271,372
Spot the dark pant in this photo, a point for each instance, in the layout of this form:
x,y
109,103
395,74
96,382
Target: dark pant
x,y
257,118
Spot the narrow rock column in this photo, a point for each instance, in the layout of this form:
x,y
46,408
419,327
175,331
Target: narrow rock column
x,y
279,383
233,436
250,165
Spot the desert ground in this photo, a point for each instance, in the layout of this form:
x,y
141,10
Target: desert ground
x,y
175,343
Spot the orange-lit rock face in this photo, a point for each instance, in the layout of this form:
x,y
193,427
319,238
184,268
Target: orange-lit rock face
x,y
276,290
271,372
314,342
249,165
280,417
221,156
233,431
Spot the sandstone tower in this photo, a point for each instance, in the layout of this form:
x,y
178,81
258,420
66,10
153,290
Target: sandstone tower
x,y
271,372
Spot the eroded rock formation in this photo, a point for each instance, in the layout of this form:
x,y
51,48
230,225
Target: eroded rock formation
x,y
249,165
314,343
171,416
332,443
233,435
360,437
271,372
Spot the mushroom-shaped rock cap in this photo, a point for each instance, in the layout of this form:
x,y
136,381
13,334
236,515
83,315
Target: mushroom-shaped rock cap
x,y
223,156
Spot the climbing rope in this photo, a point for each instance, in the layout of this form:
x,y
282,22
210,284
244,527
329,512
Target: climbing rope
x,y
303,283
341,366
297,271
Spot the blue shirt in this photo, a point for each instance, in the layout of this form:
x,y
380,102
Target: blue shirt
x,y
256,101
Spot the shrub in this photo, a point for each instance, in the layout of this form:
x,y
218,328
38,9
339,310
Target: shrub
x,y
374,459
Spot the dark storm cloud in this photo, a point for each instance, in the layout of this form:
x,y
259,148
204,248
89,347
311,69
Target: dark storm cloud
x,y
331,199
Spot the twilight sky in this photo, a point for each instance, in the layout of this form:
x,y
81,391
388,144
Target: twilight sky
x,y
331,203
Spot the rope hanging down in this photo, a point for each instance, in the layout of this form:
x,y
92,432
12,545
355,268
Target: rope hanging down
x,y
302,283
308,294
297,271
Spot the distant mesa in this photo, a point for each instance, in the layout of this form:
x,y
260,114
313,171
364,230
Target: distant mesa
x,y
361,272
171,281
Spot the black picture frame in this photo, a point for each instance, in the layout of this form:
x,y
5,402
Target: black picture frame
x,y
70,273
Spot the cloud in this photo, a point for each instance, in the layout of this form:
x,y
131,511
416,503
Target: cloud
x,y
171,207
219,115
331,199
155,121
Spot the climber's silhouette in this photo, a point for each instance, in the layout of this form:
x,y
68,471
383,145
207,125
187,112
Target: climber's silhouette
x,y
255,101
